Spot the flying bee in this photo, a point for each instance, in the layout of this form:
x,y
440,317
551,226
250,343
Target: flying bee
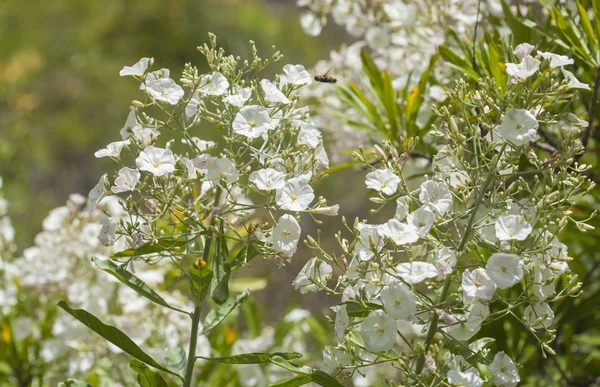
x,y
325,78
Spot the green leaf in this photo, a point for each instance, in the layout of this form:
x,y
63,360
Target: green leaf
x,y
372,71
251,316
314,375
221,268
253,358
588,30
146,377
355,309
113,335
74,383
218,314
291,382
132,281
199,282
176,359
150,248
389,100
245,255
457,62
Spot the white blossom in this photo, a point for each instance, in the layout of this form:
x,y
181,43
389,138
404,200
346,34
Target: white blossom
x,y
416,271
382,180
138,69
523,50
112,150
296,75
540,314
296,194
573,82
285,235
525,69
157,161
342,322
126,180
213,84
240,97
505,270
402,208
519,127
422,220
556,60
436,196
267,179
165,89
398,301
400,233
107,233
99,192
272,93
315,272
504,371
478,284
512,227
252,121
378,331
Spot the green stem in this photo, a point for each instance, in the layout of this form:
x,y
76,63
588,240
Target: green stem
x,y
434,320
191,360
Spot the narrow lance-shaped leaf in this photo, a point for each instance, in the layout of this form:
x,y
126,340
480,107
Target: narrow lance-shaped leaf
x,y
146,377
200,280
457,62
221,268
316,376
150,248
113,335
253,358
218,314
291,382
132,281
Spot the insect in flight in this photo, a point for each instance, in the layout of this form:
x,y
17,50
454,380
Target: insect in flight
x,y
325,78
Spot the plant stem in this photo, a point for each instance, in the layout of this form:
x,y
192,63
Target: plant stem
x,y
191,360
189,369
434,320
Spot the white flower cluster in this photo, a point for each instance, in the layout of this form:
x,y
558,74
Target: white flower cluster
x,y
402,36
269,146
59,267
472,243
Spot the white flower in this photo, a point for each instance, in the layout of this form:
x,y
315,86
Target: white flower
x,y
296,75
240,98
444,260
296,194
398,301
523,50
556,60
145,135
112,150
309,135
478,314
543,284
366,234
519,127
525,69
459,330
377,37
221,168
213,84
107,233
285,235
383,180
165,89
573,82
512,227
272,93
126,181
422,220
504,371
402,208
191,108
138,69
342,322
99,192
378,331
267,179
436,196
252,121
157,161
311,24
416,271
399,232
505,269
467,378
315,272
478,284
539,314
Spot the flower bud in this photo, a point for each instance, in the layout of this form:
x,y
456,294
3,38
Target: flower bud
x,y
327,211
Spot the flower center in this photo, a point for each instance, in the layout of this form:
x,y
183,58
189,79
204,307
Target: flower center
x,y
252,124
